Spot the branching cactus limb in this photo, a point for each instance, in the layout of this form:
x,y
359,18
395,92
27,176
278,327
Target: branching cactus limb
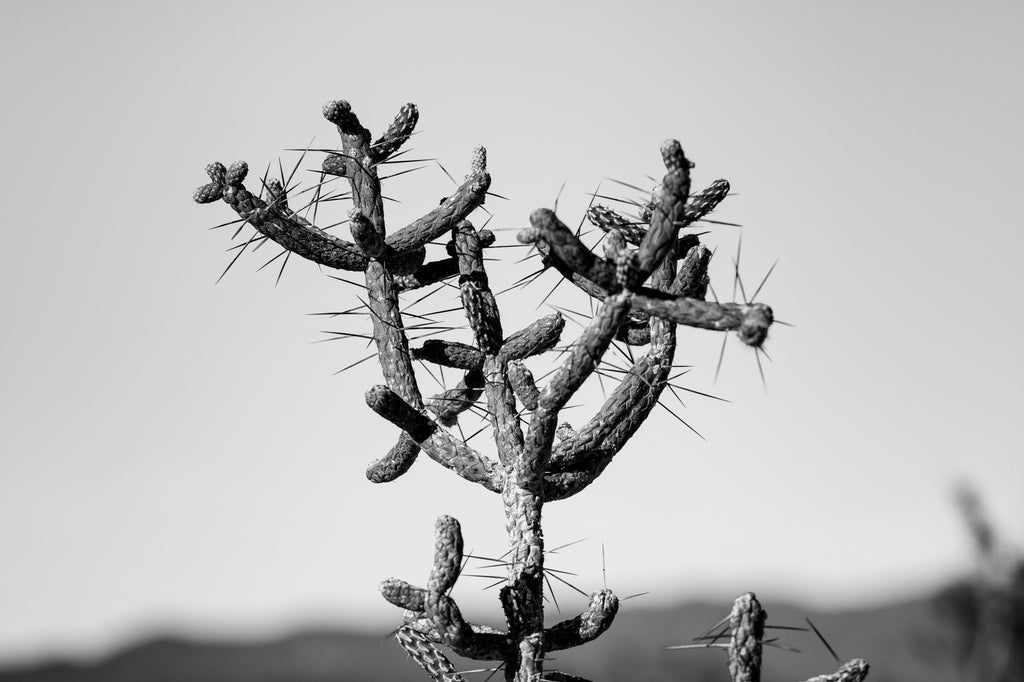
x,y
648,280
434,613
745,626
427,656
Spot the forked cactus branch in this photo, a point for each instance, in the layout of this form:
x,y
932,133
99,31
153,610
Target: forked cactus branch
x,y
648,280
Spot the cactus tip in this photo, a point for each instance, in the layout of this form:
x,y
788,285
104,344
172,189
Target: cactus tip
x,y
334,109
236,173
672,154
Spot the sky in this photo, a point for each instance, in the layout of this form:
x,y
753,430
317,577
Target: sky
x,y
178,454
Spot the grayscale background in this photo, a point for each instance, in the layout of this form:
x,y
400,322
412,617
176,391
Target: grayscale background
x,y
179,458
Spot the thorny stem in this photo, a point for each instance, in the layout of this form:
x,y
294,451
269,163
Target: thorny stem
x,y
530,468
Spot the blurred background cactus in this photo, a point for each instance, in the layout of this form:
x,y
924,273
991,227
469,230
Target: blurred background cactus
x,y
647,280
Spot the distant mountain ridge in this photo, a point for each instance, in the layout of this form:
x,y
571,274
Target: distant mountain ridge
x,y
902,642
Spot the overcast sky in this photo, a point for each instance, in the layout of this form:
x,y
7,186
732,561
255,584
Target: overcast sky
x,y
179,454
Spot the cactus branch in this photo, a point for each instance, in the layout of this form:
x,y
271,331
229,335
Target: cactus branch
x,y
397,133
455,208
750,321
746,623
426,655
566,249
585,627
435,441
277,222
449,354
538,337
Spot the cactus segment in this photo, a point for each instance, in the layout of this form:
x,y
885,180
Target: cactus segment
x,y
566,248
669,201
585,627
403,595
278,223
521,379
608,219
402,264
586,352
746,623
435,441
625,409
455,208
439,270
691,282
398,461
538,337
397,133
426,655
449,354
582,359
477,299
449,404
365,236
339,112
750,321
447,554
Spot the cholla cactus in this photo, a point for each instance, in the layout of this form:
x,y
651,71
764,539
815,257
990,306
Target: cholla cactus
x,y
644,292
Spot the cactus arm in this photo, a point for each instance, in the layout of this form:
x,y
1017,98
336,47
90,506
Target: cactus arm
x,y
636,395
564,484
447,554
278,222
696,209
426,655
477,299
750,321
566,248
440,445
455,208
538,337
428,273
483,317
523,384
608,219
447,406
746,623
396,462
439,270
582,359
403,595
585,627
355,163
668,204
449,354
397,134
444,620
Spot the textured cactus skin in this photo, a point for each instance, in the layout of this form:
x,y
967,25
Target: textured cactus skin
x,y
643,292
426,655
746,623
